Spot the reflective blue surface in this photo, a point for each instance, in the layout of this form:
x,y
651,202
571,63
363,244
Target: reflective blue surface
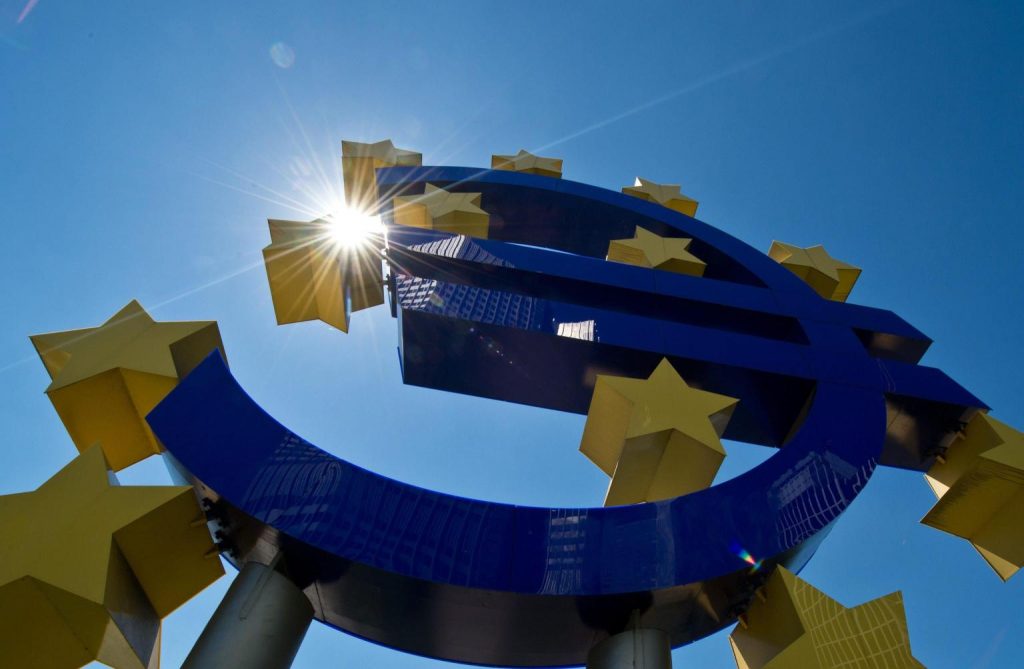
x,y
749,328
835,385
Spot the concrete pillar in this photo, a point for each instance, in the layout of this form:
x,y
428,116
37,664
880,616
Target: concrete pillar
x,y
633,649
260,623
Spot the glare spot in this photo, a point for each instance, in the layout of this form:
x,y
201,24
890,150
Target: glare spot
x,y
282,55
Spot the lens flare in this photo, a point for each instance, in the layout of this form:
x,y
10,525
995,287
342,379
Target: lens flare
x,y
26,10
282,55
745,555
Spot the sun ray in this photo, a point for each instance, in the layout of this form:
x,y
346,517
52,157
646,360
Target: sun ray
x,y
728,72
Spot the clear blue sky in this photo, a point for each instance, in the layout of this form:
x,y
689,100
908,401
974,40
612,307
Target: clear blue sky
x,y
143,147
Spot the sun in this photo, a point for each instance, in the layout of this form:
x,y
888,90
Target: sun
x,y
350,228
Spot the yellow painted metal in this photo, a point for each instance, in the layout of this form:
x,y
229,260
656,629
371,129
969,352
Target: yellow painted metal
x,y
88,568
668,195
313,278
657,438
359,163
438,209
793,625
524,161
647,249
980,490
830,278
104,380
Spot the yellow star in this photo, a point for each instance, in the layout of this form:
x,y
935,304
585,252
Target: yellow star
x,y
524,161
314,278
657,438
793,625
438,209
88,568
359,163
106,379
980,489
830,278
668,195
647,249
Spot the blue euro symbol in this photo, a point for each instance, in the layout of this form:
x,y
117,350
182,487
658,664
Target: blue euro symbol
x,y
531,315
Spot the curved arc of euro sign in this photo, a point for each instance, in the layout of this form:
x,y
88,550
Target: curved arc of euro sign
x,y
488,583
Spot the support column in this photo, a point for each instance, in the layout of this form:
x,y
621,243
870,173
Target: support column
x,y
633,649
260,623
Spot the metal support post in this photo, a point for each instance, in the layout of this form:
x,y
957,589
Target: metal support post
x,y
260,623
637,648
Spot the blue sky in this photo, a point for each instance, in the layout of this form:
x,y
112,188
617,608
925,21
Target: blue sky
x,y
143,148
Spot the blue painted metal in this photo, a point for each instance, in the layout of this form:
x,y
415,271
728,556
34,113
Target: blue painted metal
x,y
445,576
531,315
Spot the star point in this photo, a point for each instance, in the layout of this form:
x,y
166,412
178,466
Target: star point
x,y
359,162
89,568
647,249
831,278
312,278
657,437
105,379
793,625
980,489
439,209
529,163
667,195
